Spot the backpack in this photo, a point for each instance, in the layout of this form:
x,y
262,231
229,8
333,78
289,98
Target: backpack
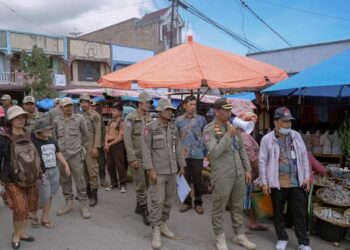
x,y
25,161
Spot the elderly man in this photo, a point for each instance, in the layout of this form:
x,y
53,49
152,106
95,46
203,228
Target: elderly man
x,y
231,169
285,175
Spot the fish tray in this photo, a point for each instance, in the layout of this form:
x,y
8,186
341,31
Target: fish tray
x,y
317,212
318,192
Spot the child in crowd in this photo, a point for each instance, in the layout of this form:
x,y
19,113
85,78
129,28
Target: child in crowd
x,y
49,154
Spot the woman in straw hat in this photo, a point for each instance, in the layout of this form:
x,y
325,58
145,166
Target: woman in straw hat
x,y
22,200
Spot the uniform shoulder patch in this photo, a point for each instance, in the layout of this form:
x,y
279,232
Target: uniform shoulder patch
x,y
128,123
146,131
207,136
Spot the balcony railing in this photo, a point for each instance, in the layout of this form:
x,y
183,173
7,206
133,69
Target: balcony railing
x,y
23,78
5,77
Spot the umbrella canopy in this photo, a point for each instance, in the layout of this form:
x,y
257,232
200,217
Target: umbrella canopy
x,y
189,65
330,78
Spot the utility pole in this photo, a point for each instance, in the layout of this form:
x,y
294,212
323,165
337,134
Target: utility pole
x,y
173,6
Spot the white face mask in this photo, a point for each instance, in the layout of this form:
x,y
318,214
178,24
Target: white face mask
x,y
285,131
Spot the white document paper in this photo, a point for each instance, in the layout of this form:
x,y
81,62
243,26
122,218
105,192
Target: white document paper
x,y
183,189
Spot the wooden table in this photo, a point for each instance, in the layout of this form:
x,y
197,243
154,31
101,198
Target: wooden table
x,y
340,158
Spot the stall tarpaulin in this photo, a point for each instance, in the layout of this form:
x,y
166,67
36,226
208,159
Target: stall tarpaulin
x,y
189,65
329,78
239,105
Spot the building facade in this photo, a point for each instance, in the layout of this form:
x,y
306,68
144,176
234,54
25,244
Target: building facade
x,y
151,32
296,59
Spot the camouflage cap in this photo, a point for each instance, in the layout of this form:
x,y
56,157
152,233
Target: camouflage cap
x,y
164,104
93,102
145,97
283,114
57,100
85,97
42,124
66,101
28,99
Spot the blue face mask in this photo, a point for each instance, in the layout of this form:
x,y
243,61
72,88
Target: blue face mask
x,y
285,131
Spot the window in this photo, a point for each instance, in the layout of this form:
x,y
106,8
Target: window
x,y
88,71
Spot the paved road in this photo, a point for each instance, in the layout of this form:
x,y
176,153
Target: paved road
x,y
115,226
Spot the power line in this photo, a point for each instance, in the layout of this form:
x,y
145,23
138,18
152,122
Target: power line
x,y
268,26
307,11
245,42
26,18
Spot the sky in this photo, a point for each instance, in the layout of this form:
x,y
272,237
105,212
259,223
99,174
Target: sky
x,y
330,20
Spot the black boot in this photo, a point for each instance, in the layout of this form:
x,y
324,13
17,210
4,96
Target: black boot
x,y
138,209
88,190
145,215
93,198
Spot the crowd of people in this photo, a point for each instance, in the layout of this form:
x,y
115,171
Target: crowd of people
x,y
41,152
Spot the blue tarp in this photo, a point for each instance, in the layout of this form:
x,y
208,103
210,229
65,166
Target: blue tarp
x,y
243,95
45,104
330,78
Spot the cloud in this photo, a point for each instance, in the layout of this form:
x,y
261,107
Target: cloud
x,y
59,17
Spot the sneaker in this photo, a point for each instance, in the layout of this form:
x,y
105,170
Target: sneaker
x,y
281,245
110,188
123,189
304,247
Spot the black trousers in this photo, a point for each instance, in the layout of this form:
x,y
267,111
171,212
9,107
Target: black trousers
x,y
101,163
193,174
296,198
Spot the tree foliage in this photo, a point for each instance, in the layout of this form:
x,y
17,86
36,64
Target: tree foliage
x,y
37,65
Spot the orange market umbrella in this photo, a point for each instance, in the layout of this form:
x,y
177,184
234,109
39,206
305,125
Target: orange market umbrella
x,y
189,65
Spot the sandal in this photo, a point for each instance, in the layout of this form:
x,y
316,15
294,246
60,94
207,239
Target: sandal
x,y
258,227
34,221
47,224
27,238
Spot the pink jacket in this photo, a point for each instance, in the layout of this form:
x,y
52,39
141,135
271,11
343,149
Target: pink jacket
x,y
269,159
315,166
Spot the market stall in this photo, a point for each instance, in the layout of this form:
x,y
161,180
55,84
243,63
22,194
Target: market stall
x,y
329,79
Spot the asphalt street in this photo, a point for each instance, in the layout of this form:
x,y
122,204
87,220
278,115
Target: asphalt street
x,y
114,226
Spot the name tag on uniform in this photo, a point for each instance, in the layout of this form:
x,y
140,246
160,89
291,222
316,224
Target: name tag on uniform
x,y
207,136
293,154
128,123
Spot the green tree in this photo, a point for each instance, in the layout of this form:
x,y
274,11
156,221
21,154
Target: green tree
x,y
37,65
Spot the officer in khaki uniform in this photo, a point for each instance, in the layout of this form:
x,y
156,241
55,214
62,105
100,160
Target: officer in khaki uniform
x,y
71,133
91,147
30,107
230,171
56,111
133,129
101,153
162,156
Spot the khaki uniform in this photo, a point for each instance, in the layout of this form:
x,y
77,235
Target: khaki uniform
x,y
229,162
53,113
161,150
133,130
93,122
30,123
71,134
